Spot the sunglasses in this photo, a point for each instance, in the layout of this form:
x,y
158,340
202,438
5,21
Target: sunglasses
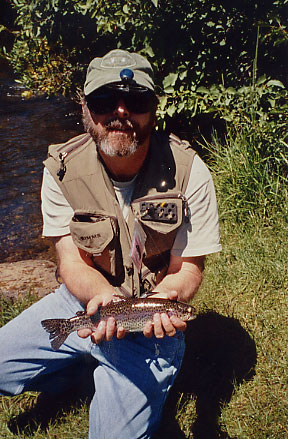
x,y
105,101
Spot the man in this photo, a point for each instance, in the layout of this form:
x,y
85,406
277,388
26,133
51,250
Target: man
x,y
131,211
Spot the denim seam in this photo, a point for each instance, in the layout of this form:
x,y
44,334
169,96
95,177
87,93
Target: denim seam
x,y
177,361
20,388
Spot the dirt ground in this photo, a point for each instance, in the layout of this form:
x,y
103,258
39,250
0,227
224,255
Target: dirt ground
x,y
29,276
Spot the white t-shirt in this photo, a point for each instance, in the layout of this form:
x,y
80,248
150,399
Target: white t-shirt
x,y
200,236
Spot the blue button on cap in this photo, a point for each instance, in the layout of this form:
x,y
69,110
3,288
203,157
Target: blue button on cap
x,y
126,74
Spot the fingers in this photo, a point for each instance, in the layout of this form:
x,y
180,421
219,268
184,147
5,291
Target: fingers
x,y
93,304
178,323
164,325
120,333
167,326
148,329
84,333
167,294
158,329
106,330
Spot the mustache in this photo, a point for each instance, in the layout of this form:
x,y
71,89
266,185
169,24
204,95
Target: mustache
x,y
117,124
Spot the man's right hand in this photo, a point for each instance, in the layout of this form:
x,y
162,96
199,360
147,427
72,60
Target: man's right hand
x,y
85,282
105,329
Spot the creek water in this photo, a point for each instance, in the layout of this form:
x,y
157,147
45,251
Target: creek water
x,y
27,127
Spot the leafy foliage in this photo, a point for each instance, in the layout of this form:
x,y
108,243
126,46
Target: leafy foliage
x,y
191,43
250,162
212,58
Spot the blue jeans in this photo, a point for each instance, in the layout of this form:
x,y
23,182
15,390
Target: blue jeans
x,y
132,378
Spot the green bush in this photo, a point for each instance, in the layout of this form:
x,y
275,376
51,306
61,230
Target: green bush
x,y
191,43
235,46
250,163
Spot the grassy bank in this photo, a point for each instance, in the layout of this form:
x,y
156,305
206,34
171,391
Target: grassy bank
x,y
233,381
247,283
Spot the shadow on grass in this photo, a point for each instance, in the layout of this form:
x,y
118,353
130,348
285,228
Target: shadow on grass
x,y
51,407
219,354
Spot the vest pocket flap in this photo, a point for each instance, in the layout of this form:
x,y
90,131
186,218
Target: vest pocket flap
x,y
92,232
161,214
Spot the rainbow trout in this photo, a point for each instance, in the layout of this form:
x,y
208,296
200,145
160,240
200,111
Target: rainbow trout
x,y
131,314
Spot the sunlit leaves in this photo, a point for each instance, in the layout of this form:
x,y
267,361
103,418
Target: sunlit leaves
x,y
190,44
169,82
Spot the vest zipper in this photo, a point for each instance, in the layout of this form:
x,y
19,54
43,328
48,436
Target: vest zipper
x,y
62,156
186,208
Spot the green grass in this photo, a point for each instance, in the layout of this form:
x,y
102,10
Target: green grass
x,y
248,282
237,355
21,418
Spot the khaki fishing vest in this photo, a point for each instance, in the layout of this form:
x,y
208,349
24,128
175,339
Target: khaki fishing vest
x,y
98,226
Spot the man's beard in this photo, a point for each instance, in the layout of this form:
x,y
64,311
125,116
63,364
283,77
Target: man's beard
x,y
122,145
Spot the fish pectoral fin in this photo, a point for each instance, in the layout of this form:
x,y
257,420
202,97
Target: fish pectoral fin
x,y
57,342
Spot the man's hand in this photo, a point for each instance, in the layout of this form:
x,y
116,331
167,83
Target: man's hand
x,y
81,279
163,324
105,329
181,282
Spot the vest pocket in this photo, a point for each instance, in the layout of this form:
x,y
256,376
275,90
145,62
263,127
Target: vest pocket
x,y
160,215
163,214
98,235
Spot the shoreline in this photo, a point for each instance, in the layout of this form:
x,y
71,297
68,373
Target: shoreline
x,y
31,276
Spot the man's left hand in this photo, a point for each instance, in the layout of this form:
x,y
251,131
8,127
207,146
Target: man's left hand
x,y
163,324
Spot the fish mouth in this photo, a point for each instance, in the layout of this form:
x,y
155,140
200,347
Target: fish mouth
x,y
191,315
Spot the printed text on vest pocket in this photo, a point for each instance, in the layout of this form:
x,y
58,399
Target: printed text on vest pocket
x,y
84,238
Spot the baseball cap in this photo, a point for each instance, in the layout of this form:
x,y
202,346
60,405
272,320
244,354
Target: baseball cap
x,y
119,66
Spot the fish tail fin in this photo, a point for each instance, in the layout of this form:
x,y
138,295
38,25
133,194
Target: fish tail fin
x,y
59,329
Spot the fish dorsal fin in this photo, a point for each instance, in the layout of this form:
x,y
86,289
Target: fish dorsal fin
x,y
118,298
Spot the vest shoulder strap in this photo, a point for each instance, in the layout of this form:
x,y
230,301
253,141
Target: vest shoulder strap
x,y
60,154
185,146
71,147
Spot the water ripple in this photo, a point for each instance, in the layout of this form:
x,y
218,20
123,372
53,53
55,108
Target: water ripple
x,y
26,130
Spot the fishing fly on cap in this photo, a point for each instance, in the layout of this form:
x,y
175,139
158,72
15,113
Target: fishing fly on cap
x,y
119,67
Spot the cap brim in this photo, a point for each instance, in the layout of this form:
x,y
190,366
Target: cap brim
x,y
142,80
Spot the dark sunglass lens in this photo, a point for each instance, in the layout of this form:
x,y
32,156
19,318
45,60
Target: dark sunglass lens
x,y
106,102
101,104
139,103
